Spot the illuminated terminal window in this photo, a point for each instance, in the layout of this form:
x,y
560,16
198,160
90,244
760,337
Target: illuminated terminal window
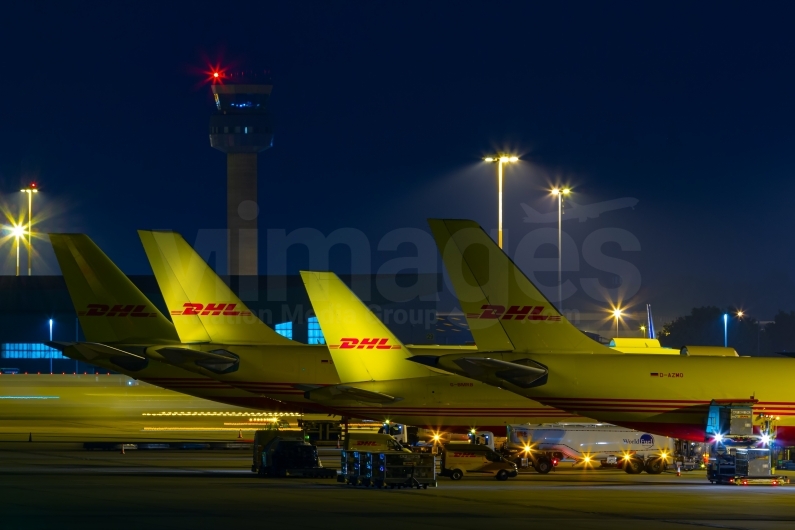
x,y
314,333
285,329
28,350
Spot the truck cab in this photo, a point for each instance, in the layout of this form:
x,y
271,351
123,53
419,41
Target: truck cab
x,y
459,459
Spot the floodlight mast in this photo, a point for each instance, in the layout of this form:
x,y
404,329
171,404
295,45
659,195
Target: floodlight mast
x,y
30,190
500,160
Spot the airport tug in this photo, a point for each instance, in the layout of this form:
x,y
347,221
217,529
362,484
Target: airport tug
x,y
740,455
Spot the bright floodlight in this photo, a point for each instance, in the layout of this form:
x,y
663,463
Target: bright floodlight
x,y
718,438
565,191
617,313
765,439
555,191
503,159
215,74
740,314
18,231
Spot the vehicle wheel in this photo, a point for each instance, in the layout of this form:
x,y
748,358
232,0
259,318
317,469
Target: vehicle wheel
x,y
654,466
456,474
634,466
501,475
543,465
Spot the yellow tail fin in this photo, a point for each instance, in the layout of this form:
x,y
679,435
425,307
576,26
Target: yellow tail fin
x,y
202,306
361,345
110,307
505,311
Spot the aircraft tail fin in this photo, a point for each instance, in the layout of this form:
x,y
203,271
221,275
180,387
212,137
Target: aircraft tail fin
x,y
109,306
362,347
203,307
505,311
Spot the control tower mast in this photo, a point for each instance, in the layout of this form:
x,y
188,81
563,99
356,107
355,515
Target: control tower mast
x,y
241,128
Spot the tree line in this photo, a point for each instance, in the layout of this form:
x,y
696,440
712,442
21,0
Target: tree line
x,y
704,327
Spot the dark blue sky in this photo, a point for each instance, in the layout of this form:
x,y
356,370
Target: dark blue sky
x,y
384,111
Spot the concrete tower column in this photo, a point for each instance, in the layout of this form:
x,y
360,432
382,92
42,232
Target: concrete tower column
x,y
242,211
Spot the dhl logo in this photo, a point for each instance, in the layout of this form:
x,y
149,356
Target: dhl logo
x,y
118,310
464,455
362,344
362,442
527,312
210,310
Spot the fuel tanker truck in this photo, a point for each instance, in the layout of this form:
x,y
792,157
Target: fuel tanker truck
x,y
588,444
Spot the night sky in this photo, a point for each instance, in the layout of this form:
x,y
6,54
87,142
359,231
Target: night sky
x,y
383,112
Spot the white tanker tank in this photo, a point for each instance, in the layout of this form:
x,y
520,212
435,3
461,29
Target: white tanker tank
x,y
590,443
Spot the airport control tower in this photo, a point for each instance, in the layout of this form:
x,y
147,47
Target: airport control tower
x,y
241,128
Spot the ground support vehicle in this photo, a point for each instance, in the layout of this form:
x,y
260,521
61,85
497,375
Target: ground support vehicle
x,y
588,444
739,455
459,459
743,466
286,454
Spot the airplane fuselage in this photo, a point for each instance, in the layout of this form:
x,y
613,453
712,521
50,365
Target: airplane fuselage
x,y
438,401
663,394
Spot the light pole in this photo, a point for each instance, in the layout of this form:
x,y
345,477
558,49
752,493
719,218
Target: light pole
x,y
500,160
30,190
18,231
560,193
725,330
50,341
617,314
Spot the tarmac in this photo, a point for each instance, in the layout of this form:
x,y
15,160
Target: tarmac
x,y
57,485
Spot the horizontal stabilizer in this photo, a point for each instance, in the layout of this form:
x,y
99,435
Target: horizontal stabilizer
x,y
217,361
93,351
523,373
337,393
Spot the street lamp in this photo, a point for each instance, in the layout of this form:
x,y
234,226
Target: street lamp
x,y
500,160
725,330
51,351
642,330
30,190
17,232
617,313
560,193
